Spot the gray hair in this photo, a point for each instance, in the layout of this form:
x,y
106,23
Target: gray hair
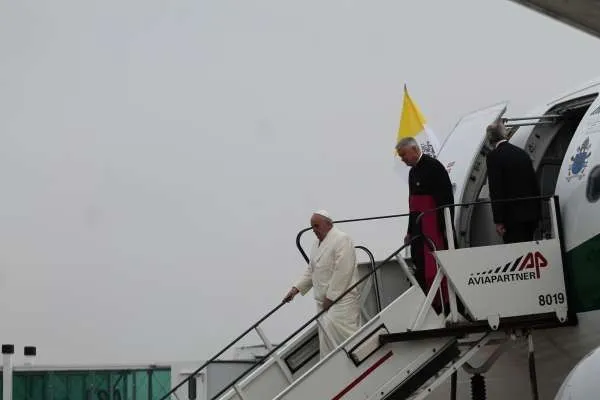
x,y
496,131
407,142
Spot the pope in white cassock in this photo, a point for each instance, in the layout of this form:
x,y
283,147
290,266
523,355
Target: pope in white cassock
x,y
332,269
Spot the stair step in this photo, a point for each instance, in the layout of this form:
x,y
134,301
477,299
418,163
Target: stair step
x,y
419,378
457,331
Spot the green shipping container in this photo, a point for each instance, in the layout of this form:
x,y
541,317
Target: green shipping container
x,y
112,383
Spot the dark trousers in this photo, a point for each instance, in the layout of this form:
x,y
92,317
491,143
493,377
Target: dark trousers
x,y
417,251
418,258
519,232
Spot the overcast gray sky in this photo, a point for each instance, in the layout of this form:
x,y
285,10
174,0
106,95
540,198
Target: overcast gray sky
x,y
158,157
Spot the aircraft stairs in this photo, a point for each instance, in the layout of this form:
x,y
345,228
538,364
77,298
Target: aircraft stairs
x,y
407,349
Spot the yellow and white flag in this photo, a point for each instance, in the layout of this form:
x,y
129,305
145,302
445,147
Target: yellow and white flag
x,y
413,124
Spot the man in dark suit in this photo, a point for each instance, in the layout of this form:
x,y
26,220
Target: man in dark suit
x,y
510,176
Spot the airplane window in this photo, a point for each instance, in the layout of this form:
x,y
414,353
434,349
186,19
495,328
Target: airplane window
x,y
593,185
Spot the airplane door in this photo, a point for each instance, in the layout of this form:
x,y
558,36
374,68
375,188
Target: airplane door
x,y
463,155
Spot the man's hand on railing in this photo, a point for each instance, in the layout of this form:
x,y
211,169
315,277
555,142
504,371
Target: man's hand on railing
x,y
290,295
327,303
407,239
500,229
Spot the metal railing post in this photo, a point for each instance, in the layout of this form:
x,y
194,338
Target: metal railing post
x,y
407,271
428,300
328,337
553,221
286,371
450,239
374,281
8,351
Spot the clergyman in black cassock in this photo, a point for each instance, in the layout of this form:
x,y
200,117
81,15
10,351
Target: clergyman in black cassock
x,y
429,188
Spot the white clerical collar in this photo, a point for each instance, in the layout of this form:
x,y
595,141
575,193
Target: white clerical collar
x,y
419,159
500,142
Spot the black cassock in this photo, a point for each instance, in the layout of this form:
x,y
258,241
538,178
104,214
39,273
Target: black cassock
x,y
429,188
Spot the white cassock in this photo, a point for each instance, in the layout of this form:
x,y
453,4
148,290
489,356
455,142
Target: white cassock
x,y
331,271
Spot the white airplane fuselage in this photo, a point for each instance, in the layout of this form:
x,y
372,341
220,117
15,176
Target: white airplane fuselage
x,y
565,149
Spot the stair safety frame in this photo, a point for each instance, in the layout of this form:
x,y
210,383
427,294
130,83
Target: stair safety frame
x,y
417,320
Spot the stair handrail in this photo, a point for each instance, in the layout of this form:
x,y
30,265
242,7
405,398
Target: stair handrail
x,y
376,281
220,353
307,323
369,253
477,202
343,221
280,344
365,249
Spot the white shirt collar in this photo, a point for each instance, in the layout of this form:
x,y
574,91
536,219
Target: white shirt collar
x,y
500,142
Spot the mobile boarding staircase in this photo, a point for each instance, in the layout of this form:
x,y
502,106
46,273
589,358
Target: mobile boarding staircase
x,y
407,350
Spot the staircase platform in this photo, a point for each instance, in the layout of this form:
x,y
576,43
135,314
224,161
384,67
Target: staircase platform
x,y
460,330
